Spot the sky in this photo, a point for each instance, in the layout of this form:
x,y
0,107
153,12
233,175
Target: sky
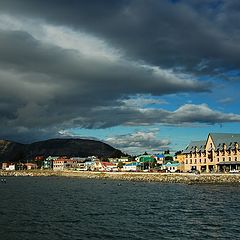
x,y
140,75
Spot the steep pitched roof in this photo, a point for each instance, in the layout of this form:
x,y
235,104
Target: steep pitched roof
x,y
191,147
228,138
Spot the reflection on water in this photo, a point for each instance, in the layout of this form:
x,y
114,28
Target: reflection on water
x,y
72,208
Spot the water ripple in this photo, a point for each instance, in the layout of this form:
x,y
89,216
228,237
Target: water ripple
x,y
59,208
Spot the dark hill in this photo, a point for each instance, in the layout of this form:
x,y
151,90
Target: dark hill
x,y
11,151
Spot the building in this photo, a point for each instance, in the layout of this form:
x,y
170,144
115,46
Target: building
x,y
219,153
171,167
8,166
104,166
48,162
181,159
147,161
64,163
30,166
132,167
5,165
159,158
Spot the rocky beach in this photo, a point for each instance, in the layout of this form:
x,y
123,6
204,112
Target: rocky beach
x,y
185,178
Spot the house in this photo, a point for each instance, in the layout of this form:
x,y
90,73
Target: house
x,y
88,165
64,163
30,166
58,164
219,153
145,158
117,160
171,167
48,162
123,159
159,158
132,167
147,161
104,166
8,166
5,165
11,167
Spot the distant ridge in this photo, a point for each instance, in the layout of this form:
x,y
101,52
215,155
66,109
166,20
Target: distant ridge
x,y
13,151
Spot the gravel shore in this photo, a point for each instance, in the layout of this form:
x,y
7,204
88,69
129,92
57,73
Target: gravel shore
x,y
185,178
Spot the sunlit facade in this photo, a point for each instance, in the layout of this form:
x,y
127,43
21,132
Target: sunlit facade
x,y
219,153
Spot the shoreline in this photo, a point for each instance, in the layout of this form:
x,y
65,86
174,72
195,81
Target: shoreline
x,y
186,178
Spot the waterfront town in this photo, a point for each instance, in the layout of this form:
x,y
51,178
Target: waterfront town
x,y
218,153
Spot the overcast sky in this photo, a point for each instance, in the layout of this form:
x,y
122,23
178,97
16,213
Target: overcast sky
x,y
141,75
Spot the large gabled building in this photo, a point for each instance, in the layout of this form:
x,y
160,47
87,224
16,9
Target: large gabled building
x,y
219,153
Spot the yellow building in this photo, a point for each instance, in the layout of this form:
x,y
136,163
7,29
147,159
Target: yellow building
x,y
219,153
181,159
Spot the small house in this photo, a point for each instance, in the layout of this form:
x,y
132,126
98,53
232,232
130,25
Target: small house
x,y
132,167
171,167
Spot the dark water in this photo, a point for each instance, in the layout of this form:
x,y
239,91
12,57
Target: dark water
x,y
72,208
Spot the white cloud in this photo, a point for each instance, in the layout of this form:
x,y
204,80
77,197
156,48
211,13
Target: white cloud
x,y
139,142
226,100
141,101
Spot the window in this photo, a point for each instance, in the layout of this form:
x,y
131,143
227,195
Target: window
x,y
190,161
195,160
200,160
236,159
186,161
218,159
223,159
204,160
229,158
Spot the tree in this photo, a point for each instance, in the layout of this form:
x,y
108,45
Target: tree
x,y
168,159
120,165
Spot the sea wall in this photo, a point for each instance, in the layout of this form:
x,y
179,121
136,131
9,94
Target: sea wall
x,y
149,177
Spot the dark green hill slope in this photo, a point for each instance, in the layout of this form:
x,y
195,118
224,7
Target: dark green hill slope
x,y
12,151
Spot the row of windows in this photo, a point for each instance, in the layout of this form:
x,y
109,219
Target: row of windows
x,y
218,153
195,161
228,159
211,160
227,153
58,165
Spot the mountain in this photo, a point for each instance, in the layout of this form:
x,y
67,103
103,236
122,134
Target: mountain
x,y
12,151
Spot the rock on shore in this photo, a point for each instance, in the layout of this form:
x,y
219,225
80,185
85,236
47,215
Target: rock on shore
x,y
149,177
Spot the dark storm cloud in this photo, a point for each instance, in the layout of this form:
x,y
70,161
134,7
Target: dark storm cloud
x,y
46,87
166,34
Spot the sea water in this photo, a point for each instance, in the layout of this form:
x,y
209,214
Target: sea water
x,y
73,208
